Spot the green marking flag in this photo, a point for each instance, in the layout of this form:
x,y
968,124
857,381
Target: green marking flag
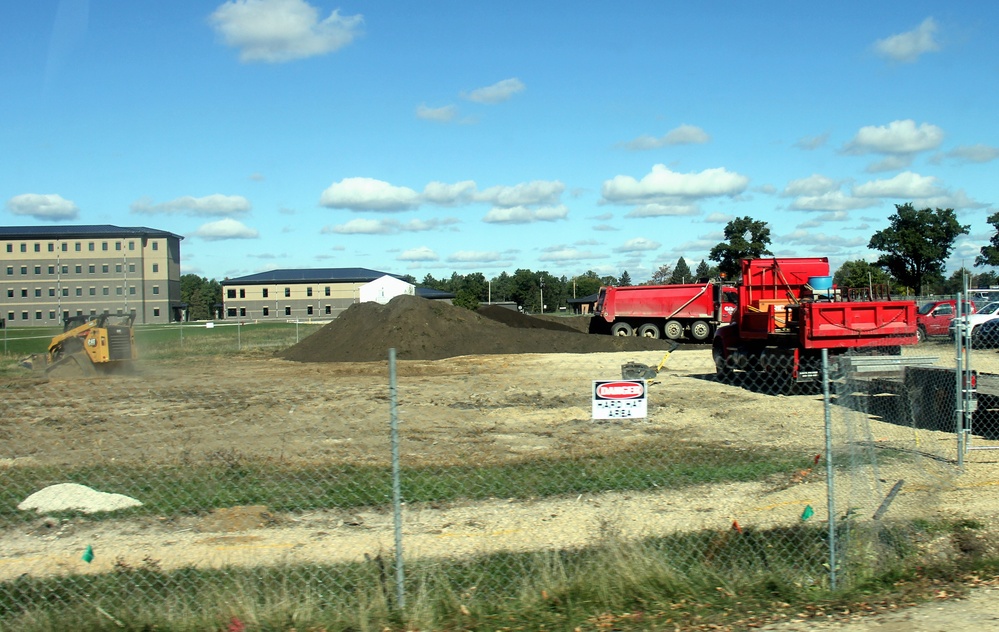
x,y
807,513
88,555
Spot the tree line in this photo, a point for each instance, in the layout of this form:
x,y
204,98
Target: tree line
x,y
913,251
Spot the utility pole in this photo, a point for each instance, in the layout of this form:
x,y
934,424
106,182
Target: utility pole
x,y
542,297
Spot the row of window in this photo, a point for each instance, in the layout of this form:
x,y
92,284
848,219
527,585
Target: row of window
x,y
77,246
11,316
105,291
78,269
233,312
231,293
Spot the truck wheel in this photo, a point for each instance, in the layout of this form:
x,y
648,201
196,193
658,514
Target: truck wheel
x,y
648,330
920,334
700,330
674,329
723,371
621,329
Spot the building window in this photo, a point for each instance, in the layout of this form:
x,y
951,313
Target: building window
x,y
10,293
156,245
78,269
51,269
106,291
24,269
65,247
38,315
231,311
90,246
327,290
131,245
51,247
10,248
131,290
79,291
91,269
117,268
78,246
10,272
104,246
156,311
38,292
65,269
309,310
118,291
265,292
24,248
156,267
117,245
242,311
51,314
287,292
10,315
230,293
104,268
24,315
329,310
287,311
131,267
266,312
38,248
38,269
51,291
93,291
308,291
24,293
156,289
65,291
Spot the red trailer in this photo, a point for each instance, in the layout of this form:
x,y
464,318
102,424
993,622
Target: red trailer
x,y
670,311
788,311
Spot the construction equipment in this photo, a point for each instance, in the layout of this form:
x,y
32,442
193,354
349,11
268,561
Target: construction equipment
x,y
638,371
88,344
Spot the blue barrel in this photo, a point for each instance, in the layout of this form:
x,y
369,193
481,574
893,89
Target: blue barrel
x,y
820,283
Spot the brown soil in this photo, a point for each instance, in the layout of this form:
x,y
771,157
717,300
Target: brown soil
x,y
419,329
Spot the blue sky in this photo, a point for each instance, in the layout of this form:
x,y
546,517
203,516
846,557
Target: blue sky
x,y
435,137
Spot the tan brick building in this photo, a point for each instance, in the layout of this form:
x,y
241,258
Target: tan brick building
x,y
51,272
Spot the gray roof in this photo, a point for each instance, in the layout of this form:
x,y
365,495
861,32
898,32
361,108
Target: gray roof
x,y
432,294
81,231
310,275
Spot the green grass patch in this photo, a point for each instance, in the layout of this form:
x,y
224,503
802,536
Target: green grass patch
x,y
229,478
700,580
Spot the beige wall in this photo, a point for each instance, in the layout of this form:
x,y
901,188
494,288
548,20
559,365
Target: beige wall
x,y
283,301
43,279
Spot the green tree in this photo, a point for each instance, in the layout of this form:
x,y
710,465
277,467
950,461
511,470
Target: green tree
x,y
704,271
661,276
860,273
746,239
990,253
201,296
625,279
916,244
587,283
681,273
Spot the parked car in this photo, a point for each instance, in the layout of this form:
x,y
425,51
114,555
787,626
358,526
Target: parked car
x,y
934,318
986,313
986,335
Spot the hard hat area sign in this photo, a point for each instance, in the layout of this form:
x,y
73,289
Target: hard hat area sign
x,y
619,399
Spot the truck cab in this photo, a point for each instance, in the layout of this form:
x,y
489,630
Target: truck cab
x,y
933,318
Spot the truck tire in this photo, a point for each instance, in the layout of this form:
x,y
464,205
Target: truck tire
x,y
700,330
674,329
723,370
649,330
621,329
920,334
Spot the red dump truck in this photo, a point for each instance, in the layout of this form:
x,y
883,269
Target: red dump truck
x,y
666,311
788,311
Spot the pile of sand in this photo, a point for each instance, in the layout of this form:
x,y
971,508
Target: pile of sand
x,y
420,329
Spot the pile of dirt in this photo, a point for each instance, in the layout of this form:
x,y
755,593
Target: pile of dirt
x,y
420,329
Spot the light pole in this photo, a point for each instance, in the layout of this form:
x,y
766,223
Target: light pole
x,y
542,297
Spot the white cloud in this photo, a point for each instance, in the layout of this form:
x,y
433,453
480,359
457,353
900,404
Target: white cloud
x,y
663,183
227,228
46,207
282,30
809,143
443,194
368,194
418,254
524,194
388,226
496,93
524,215
605,228
563,253
907,47
664,210
906,185
831,201
890,163
718,218
974,153
814,184
476,256
682,135
216,205
898,137
444,114
638,244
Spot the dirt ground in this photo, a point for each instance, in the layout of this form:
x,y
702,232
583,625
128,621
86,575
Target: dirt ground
x,y
488,407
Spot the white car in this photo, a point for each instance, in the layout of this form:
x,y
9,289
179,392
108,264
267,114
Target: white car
x,y
987,312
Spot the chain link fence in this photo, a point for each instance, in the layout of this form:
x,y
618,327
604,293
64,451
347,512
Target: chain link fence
x,y
396,497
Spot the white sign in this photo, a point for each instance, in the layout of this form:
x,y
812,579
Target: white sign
x,y
619,399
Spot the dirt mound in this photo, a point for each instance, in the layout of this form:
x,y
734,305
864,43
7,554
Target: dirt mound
x,y
420,329
511,318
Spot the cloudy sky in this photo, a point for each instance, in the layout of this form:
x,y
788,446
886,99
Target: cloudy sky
x,y
466,136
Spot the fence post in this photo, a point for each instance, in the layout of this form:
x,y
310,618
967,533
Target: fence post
x,y
959,420
830,481
400,593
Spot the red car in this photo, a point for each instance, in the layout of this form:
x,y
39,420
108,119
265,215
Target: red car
x,y
933,318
